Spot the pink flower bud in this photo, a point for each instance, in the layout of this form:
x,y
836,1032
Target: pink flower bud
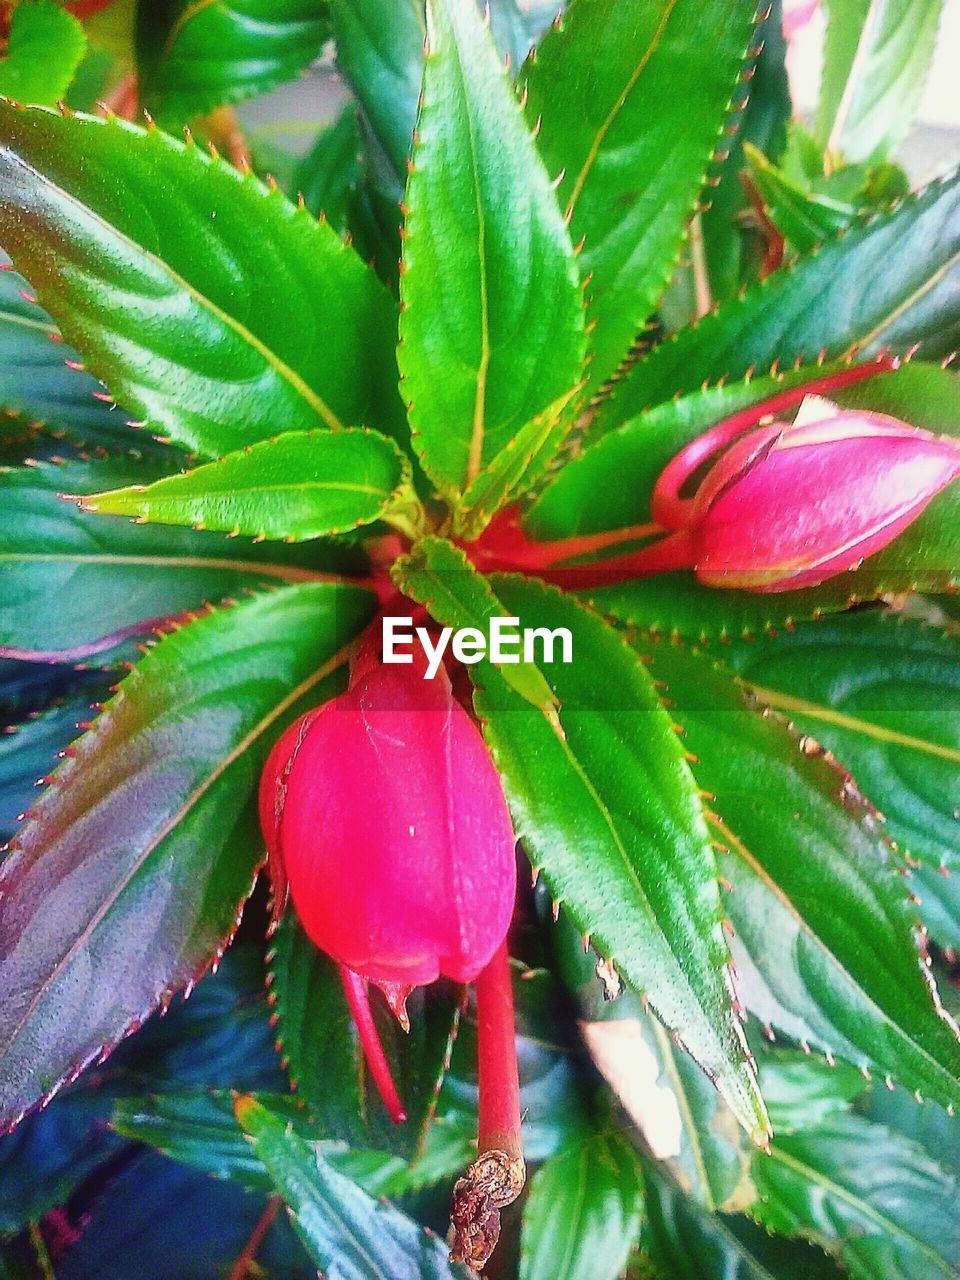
x,y
779,507
383,811
797,14
790,506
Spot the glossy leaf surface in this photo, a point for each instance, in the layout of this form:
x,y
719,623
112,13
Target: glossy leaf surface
x,y
349,1235
632,100
839,970
68,578
582,1217
135,859
194,57
886,285
46,46
303,484
492,322
139,264
866,1192
608,809
883,694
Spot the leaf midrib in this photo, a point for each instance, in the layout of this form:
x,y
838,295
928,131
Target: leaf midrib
x,y
830,715
287,573
247,741
887,1225
270,357
615,110
780,894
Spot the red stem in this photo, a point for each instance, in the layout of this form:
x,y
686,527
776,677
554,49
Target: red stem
x,y
499,1124
670,510
355,988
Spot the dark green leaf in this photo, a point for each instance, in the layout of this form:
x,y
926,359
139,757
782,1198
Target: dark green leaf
x,y
608,809
922,1122
729,257
46,45
492,321
159,1219
632,99
856,1187
67,578
199,1128
875,64
802,1091
140,262
348,1235
890,283
135,859
380,51
29,750
839,969
803,220
196,56
321,1050
328,173
691,1244
37,381
883,694
582,1218
300,485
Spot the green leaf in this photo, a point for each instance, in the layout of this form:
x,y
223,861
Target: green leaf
x,y
439,576
347,1234
939,905
198,1127
29,751
608,809
323,1057
875,63
139,264
327,175
673,1105
37,381
802,1091
632,98
380,51
729,256
69,579
197,56
839,969
491,328
858,1188
46,46
691,1244
582,1218
883,694
134,860
887,284
803,220
304,484
922,1122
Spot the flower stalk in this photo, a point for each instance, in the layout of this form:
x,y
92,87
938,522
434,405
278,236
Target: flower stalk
x,y
498,1174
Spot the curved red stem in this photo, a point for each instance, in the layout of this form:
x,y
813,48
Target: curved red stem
x,y
358,999
671,511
